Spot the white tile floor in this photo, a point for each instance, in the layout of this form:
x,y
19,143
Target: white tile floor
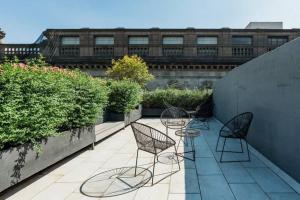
x,y
205,179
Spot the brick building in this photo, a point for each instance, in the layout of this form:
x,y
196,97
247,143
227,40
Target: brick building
x,y
183,56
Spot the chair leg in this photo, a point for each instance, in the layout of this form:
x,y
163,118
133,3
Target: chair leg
x,y
177,156
247,150
217,143
136,160
153,168
207,124
241,145
223,150
179,142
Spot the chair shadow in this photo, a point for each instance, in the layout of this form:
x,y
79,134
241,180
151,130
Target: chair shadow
x,y
120,181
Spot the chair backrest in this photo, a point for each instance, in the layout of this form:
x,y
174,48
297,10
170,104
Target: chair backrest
x,y
240,124
174,118
167,105
205,109
143,137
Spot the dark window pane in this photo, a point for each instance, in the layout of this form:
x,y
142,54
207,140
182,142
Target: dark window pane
x,y
241,40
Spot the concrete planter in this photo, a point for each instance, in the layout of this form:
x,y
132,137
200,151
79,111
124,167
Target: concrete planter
x,y
19,163
152,112
132,116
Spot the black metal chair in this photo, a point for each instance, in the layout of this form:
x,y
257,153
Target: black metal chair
x,y
152,141
174,118
236,128
203,112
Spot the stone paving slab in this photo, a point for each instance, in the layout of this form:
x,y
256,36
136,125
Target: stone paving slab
x,y
204,179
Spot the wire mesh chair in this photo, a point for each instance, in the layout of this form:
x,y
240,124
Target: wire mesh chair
x,y
174,118
236,128
203,112
152,141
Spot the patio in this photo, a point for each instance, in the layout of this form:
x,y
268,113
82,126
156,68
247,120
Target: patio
x,y
205,179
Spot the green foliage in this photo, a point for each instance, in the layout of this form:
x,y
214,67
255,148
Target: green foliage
x,y
188,99
131,68
90,98
124,96
13,60
37,102
37,62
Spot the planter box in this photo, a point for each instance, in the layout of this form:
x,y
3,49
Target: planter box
x,y
152,112
126,117
19,163
133,115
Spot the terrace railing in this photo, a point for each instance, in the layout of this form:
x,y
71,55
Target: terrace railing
x,y
22,51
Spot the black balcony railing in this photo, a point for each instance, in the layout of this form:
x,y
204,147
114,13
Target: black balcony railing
x,y
69,51
138,50
103,51
172,51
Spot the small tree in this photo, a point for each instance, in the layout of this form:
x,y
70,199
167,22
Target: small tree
x,y
131,68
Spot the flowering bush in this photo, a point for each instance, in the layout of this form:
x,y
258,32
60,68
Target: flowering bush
x,y
37,102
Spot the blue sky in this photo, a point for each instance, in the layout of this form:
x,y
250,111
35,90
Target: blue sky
x,y
24,20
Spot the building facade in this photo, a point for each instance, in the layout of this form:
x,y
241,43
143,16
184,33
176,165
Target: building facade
x,y
2,35
187,57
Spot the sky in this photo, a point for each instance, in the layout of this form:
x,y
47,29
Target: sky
x,y
24,20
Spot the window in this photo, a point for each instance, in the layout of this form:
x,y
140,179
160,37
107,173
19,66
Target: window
x,y
138,40
70,41
173,40
104,40
277,40
207,40
242,40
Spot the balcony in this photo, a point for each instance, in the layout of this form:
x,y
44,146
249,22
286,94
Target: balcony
x,y
206,178
272,172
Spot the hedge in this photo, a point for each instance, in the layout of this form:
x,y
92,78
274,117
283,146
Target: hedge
x,y
124,96
37,102
186,98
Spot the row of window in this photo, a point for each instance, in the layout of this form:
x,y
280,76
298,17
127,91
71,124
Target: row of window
x,y
107,52
176,40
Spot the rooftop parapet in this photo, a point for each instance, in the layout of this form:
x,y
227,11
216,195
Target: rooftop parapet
x,y
265,25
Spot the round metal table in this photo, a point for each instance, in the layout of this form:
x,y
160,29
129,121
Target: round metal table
x,y
188,133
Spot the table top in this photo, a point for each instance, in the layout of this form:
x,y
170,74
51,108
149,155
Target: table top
x,y
188,132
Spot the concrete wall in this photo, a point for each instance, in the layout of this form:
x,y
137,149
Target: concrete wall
x,y
268,86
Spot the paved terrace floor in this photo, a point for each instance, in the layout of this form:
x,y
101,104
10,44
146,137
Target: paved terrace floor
x,y
205,179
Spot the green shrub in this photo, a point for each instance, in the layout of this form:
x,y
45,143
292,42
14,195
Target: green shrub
x,y
38,102
131,68
90,98
187,98
124,96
